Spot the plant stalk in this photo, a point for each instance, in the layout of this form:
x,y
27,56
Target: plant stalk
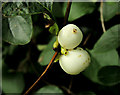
x,y
56,53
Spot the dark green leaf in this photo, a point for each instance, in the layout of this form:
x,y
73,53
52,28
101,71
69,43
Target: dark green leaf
x,y
109,75
49,89
101,62
15,8
24,8
109,40
12,82
110,9
47,5
59,9
78,9
86,93
20,31
47,54
36,8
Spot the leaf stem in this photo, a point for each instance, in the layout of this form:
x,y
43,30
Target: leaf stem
x,y
101,16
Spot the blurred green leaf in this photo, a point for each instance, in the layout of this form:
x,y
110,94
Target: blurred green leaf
x,y
110,9
109,40
101,62
54,29
12,82
20,31
78,9
47,53
109,75
8,50
41,47
86,93
49,89
59,9
47,5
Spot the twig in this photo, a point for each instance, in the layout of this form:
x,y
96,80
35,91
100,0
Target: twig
x,y
101,16
54,56
87,38
20,67
67,11
70,85
66,89
42,73
59,86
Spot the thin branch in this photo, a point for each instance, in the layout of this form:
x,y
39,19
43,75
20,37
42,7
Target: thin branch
x,y
102,23
101,16
67,11
27,92
67,90
54,56
60,86
71,82
87,38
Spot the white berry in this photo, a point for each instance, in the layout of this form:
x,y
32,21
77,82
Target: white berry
x,y
75,61
70,36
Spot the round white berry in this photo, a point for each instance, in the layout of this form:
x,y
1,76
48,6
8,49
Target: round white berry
x,y
75,61
70,36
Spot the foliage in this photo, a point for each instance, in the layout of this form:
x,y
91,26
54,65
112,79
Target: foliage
x,y
29,30
49,89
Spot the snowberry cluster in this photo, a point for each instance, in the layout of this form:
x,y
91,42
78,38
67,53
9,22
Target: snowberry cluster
x,y
72,61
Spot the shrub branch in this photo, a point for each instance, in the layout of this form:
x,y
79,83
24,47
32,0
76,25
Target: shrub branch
x,y
101,16
54,56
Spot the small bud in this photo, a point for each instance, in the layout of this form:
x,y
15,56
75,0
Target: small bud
x,y
64,51
56,44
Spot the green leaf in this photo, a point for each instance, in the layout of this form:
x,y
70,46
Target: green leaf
x,y
102,66
38,7
18,31
78,9
109,75
47,5
15,8
41,47
54,29
47,54
26,8
12,82
49,89
59,9
109,40
110,9
86,93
